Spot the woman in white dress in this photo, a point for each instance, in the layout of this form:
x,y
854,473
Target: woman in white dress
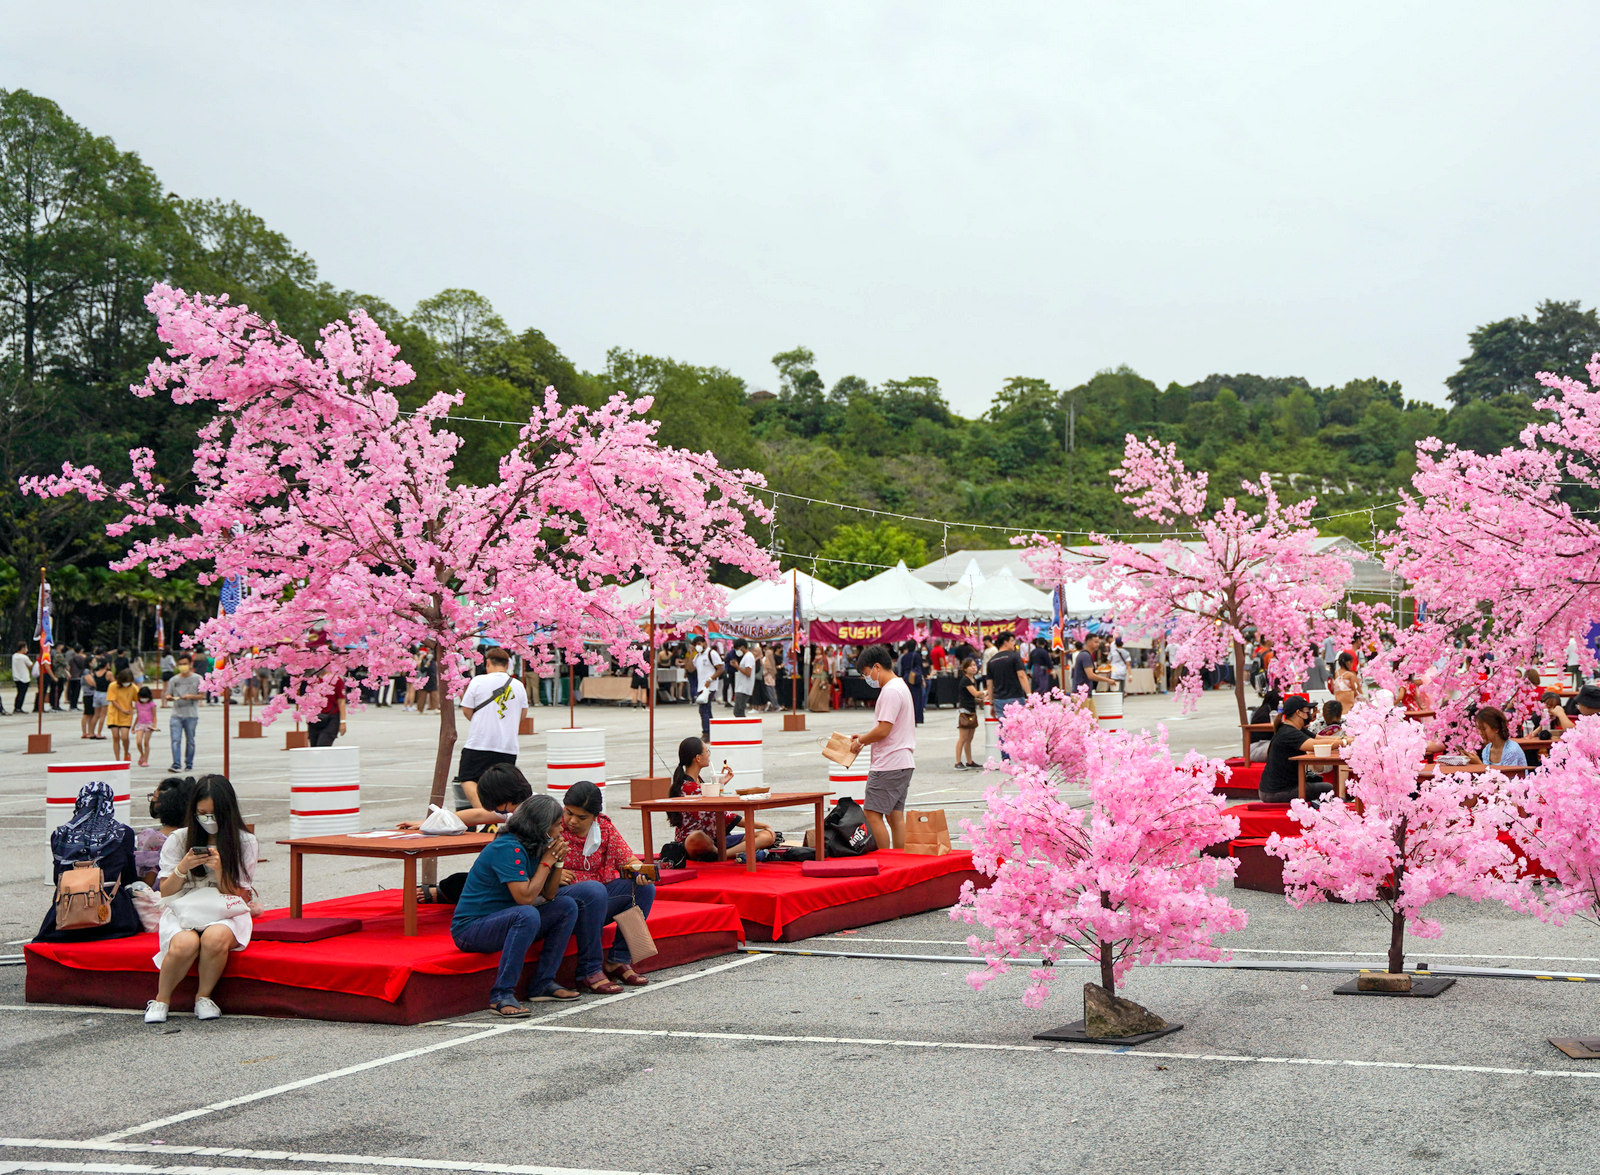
x,y
206,892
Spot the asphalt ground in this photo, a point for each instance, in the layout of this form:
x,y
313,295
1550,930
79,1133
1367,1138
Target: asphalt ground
x,y
770,1061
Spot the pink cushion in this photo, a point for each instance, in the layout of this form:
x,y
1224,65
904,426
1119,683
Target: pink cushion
x,y
669,876
303,929
845,867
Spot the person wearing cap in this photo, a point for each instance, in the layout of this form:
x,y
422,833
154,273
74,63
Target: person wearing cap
x,y
1280,780
1587,701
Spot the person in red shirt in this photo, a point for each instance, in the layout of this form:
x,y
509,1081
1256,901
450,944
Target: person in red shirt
x,y
936,656
329,722
602,874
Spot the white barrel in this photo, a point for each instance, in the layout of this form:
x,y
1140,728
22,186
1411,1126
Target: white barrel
x,y
1552,676
991,733
324,791
737,741
1108,710
848,781
573,754
63,781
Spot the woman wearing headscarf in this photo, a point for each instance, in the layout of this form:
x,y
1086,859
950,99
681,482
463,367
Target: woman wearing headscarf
x,y
95,834
601,873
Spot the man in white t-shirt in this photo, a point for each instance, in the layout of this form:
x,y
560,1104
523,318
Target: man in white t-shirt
x,y
707,668
494,704
744,679
893,740
1121,662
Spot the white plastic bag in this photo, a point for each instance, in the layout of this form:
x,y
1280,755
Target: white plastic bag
x,y
442,823
204,905
147,904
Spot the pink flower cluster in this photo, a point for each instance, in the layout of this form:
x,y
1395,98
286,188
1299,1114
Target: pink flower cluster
x,y
1238,570
1557,818
1122,880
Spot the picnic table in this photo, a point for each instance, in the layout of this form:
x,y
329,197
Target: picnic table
x,y
405,847
719,806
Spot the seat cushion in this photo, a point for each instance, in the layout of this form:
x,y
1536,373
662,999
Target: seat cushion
x,y
303,929
671,876
839,867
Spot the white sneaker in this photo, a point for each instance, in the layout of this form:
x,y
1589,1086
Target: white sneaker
x,y
155,1012
204,1009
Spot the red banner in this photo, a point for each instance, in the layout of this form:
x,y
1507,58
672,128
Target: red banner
x,y
861,632
975,630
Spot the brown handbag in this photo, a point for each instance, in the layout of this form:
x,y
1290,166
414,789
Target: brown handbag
x,y
641,944
81,899
966,720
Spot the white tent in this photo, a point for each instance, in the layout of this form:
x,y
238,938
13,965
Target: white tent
x,y
894,594
668,605
769,600
997,597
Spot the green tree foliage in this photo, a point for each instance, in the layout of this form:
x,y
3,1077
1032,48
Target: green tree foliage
x,y
1506,356
864,550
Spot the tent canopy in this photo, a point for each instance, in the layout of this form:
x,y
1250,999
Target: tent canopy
x,y
774,599
894,594
997,597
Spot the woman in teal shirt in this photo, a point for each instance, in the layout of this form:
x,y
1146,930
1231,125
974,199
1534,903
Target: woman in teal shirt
x,y
509,902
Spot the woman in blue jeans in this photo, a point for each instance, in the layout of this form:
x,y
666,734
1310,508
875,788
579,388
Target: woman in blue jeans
x,y
509,902
601,873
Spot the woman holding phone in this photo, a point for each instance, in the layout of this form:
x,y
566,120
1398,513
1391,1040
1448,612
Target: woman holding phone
x,y
207,875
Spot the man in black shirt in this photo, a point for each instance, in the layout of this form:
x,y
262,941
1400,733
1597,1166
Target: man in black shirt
x,y
1280,778
1084,674
1008,677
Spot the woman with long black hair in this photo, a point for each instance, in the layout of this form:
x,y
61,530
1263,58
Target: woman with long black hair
x,y
207,877
509,902
698,830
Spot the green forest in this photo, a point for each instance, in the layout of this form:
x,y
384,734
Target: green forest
x,y
86,228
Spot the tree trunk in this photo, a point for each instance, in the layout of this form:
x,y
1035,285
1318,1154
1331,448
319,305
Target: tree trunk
x,y
1397,924
1238,681
1107,975
443,756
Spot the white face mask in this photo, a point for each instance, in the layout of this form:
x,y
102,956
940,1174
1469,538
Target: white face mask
x,y
208,824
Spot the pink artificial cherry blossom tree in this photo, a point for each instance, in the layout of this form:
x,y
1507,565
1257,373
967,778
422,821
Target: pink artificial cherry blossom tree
x,y
359,547
1407,839
1555,819
1122,881
1238,570
1502,552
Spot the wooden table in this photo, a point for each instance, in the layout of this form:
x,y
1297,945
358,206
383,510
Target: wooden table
x,y
392,847
747,805
1253,728
1327,758
1419,715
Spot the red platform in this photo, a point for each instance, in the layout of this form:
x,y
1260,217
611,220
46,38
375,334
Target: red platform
x,y
1262,820
777,904
377,975
1243,781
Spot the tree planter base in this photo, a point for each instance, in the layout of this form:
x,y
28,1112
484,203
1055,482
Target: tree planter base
x,y
248,729
794,721
39,744
295,738
1074,1034
1423,987
525,726
1578,1050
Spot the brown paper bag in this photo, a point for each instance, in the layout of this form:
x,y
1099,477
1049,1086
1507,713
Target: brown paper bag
x,y
838,749
641,943
927,832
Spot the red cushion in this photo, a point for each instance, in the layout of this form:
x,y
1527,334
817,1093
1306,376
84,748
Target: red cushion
x,y
671,876
846,867
303,929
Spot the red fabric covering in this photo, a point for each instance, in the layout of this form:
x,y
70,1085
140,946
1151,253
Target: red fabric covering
x,y
1257,869
1243,779
673,876
843,867
1262,820
303,929
777,894
377,962
1527,866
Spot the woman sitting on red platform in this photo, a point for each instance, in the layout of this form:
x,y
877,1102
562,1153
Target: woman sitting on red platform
x,y
697,831
602,874
207,873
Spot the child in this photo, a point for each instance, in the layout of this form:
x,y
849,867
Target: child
x,y
120,700
1332,712
144,722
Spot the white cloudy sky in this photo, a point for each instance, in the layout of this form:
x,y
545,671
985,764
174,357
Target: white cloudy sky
x,y
959,190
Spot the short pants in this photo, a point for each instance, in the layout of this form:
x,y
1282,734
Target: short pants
x,y
886,790
475,762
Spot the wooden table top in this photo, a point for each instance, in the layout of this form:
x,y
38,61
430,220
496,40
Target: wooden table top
x,y
721,803
398,845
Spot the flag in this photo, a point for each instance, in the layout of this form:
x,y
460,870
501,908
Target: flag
x,y
1058,602
161,632
43,633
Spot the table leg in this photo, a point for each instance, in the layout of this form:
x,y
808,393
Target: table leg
x,y
649,848
408,897
817,839
750,839
297,862
722,836
1302,767
1339,781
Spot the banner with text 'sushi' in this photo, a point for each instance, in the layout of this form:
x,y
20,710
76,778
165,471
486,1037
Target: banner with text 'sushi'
x,y
861,632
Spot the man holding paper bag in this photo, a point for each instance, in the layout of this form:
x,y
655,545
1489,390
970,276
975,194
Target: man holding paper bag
x,y
893,740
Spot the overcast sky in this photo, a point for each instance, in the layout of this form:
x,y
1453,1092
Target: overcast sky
x,y
964,191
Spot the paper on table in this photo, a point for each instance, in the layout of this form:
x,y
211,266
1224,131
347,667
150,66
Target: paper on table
x,y
838,750
386,834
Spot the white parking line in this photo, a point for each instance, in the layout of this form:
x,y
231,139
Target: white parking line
x,y
233,1152
408,1054
1124,1051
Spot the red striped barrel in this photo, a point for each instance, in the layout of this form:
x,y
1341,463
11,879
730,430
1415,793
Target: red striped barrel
x,y
324,791
573,754
738,742
63,781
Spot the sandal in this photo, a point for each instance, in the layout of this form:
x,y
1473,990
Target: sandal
x,y
427,895
624,973
604,987
510,1011
554,992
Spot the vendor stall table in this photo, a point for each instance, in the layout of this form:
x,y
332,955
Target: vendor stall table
x,y
748,805
406,847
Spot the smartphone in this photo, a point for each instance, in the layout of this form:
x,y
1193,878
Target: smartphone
x,y
648,873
